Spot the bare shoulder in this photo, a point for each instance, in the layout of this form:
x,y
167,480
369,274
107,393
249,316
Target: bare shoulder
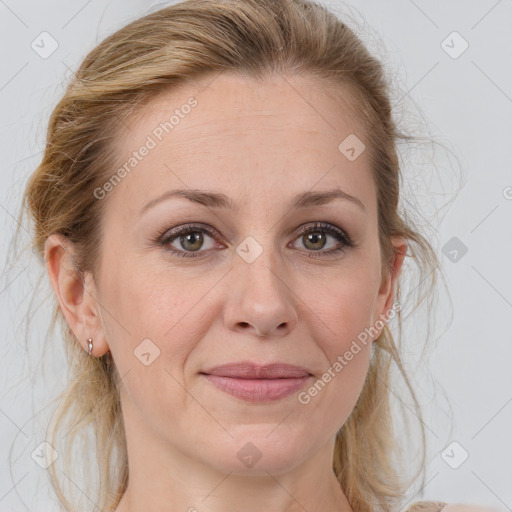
x,y
466,507
441,506
426,506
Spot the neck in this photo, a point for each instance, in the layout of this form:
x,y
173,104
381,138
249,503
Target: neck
x,y
162,478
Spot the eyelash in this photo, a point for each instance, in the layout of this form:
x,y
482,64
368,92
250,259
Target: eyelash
x,y
169,236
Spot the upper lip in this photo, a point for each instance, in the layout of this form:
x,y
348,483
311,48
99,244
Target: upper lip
x,y
250,370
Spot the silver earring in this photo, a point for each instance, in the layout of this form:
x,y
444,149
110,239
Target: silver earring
x,y
90,345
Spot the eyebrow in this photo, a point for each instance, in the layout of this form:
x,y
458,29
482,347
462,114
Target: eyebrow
x,y
219,200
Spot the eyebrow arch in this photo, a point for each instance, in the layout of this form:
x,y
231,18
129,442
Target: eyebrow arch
x,y
219,200
319,198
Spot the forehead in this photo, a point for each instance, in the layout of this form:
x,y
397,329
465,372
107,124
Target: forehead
x,y
237,100
245,136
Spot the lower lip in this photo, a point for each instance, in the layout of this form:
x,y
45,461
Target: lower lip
x,y
258,390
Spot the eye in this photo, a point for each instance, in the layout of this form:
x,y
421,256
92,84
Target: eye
x,y
314,239
186,240
190,240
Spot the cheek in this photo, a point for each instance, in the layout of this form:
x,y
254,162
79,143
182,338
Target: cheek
x,y
152,325
343,309
167,308
341,315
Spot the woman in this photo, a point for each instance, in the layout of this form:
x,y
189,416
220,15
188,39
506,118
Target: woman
x,y
217,207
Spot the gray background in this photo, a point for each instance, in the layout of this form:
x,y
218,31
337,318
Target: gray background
x,y
464,102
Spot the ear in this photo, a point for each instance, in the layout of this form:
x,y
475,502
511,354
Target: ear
x,y
385,297
75,293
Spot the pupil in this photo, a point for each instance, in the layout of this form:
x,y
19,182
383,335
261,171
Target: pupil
x,y
196,237
315,238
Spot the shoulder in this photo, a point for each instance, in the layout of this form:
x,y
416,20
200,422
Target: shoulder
x,y
466,507
427,506
438,506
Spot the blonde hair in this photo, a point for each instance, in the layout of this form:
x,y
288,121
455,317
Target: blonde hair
x,y
192,39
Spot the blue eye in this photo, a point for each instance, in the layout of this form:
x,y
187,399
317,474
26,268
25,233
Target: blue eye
x,y
188,240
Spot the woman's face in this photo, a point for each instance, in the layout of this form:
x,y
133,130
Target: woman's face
x,y
192,281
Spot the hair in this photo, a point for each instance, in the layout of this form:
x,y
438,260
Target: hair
x,y
166,48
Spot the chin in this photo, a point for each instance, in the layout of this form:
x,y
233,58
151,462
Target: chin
x,y
258,453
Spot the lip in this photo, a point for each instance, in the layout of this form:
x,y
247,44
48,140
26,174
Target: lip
x,y
250,370
256,383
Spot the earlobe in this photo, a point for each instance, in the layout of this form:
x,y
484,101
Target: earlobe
x,y
75,293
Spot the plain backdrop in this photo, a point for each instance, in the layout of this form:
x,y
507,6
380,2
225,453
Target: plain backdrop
x,y
451,62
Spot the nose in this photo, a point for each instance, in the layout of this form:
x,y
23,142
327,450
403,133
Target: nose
x,y
260,301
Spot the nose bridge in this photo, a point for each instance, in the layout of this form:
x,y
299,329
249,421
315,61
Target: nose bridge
x,y
261,301
261,267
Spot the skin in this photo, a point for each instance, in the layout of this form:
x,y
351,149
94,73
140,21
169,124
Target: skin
x,y
260,144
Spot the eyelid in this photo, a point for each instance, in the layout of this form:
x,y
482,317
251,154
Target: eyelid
x,y
170,233
325,226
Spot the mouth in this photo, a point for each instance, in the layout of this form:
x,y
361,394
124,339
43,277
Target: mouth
x,y
254,383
